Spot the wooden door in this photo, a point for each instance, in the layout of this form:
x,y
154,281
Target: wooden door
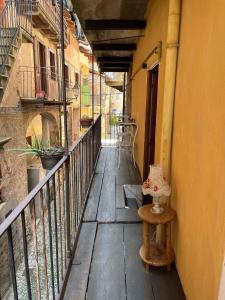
x,y
150,125
43,69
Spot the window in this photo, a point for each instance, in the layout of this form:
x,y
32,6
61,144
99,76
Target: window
x,y
52,66
66,74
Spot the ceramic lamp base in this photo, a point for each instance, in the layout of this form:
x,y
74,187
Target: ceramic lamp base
x,y
157,209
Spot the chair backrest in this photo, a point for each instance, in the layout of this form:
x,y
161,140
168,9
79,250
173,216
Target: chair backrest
x,y
125,118
127,132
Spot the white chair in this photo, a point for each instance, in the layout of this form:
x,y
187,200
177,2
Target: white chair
x,y
126,135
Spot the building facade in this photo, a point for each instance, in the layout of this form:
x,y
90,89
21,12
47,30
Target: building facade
x,y
31,89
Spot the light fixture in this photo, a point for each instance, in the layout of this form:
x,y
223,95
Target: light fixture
x,y
76,90
156,186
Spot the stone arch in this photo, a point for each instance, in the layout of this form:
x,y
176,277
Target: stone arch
x,y
43,126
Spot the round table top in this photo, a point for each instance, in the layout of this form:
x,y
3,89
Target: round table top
x,y
147,216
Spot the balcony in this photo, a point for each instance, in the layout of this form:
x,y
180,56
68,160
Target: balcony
x,y
89,217
107,263
41,86
46,17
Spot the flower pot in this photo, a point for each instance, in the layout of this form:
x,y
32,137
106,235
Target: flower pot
x,y
86,122
49,161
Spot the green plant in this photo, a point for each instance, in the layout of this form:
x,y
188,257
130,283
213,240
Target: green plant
x,y
113,120
38,149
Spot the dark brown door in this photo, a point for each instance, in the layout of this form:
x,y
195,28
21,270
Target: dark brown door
x,y
43,70
150,125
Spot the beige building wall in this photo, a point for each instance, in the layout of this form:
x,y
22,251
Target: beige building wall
x,y
198,146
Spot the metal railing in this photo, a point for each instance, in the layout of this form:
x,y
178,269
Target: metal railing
x,y
45,83
38,236
12,18
109,128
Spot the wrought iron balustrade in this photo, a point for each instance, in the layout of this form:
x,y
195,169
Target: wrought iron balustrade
x,y
109,128
38,236
42,83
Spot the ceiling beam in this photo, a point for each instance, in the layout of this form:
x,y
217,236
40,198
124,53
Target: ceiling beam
x,y
120,59
115,24
114,69
114,65
114,47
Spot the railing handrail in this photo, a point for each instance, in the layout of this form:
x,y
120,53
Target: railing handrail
x,y
27,200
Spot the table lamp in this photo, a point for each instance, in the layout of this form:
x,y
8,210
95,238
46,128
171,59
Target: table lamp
x,y
156,186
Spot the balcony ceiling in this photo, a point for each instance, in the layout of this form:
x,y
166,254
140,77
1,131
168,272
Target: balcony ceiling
x,y
112,28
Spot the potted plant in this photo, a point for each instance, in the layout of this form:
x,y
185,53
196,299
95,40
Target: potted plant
x,y
86,121
49,156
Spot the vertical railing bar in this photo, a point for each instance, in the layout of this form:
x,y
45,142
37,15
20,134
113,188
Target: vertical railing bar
x,y
12,262
33,210
60,224
85,169
64,217
72,197
74,193
44,242
56,233
81,175
67,189
76,174
25,253
50,237
80,182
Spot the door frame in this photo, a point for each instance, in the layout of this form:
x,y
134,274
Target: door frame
x,y
148,116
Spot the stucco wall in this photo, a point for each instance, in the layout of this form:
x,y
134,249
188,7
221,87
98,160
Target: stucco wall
x,y
198,160
156,31
198,148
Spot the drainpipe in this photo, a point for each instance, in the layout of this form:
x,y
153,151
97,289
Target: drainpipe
x,y
172,45
170,84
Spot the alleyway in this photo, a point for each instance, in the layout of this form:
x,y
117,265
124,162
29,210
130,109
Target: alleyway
x,y
107,265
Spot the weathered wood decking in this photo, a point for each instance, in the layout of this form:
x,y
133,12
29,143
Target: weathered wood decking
x,y
107,265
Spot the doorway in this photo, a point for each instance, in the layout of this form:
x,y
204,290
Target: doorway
x,y
42,63
150,125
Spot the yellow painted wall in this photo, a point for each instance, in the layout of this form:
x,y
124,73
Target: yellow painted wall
x,y
156,31
198,148
198,160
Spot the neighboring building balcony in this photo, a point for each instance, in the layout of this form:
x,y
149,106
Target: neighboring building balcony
x,y
46,17
42,86
114,80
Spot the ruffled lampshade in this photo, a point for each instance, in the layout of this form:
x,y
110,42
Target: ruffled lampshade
x,y
156,185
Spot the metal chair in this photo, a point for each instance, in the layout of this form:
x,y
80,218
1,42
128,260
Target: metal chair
x,y
126,135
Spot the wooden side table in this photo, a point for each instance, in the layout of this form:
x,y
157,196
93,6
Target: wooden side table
x,y
152,253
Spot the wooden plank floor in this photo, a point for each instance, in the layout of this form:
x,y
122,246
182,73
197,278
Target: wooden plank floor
x,y
107,265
